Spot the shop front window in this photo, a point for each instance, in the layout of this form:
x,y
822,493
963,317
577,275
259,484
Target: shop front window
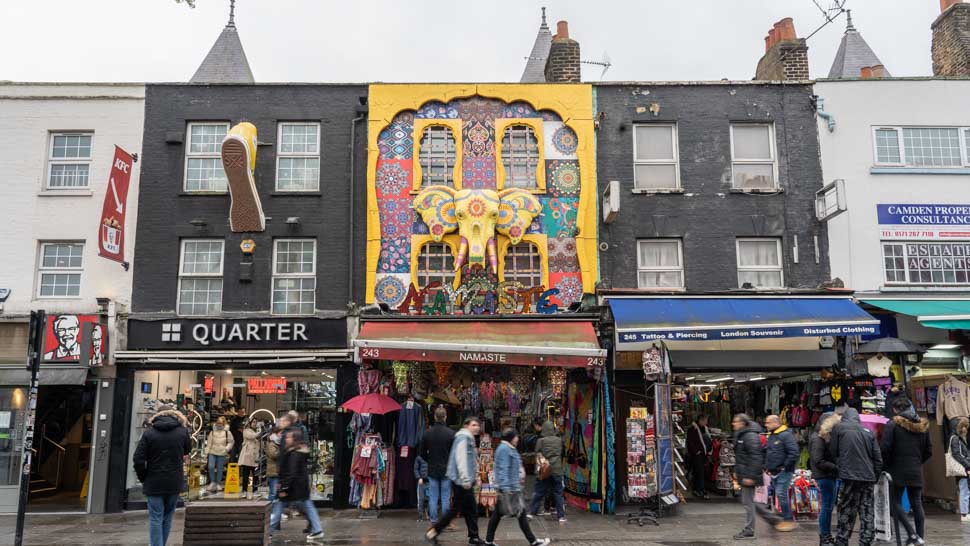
x,y
13,406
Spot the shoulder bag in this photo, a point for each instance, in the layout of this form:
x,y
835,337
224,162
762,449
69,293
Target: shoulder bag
x,y
953,467
543,468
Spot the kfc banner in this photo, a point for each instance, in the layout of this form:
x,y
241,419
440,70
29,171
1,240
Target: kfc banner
x,y
111,235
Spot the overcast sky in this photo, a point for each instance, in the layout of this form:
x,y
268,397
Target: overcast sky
x,y
436,40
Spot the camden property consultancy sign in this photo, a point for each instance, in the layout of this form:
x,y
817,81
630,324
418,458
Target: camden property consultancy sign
x,y
924,221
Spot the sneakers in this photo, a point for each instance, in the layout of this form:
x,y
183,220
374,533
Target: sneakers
x,y
965,518
315,536
915,541
475,542
744,535
238,162
562,519
541,541
431,536
785,526
529,516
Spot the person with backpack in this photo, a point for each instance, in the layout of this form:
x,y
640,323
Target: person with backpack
x,y
509,473
218,446
826,474
158,460
859,460
781,454
549,449
905,447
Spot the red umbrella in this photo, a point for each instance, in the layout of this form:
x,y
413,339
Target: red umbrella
x,y
375,403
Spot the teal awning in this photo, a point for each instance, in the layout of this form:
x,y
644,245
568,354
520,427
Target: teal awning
x,y
951,314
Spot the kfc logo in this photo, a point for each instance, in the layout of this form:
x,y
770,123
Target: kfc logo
x,y
62,342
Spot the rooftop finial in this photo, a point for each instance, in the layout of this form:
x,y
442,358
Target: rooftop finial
x,y
232,13
543,16
848,21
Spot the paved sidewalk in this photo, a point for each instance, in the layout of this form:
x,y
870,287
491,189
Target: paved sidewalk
x,y
700,524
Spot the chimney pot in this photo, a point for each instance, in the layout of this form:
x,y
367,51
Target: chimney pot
x,y
562,30
772,38
866,73
945,4
787,29
767,43
878,71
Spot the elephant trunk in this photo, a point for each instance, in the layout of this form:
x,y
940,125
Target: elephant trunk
x,y
492,251
462,254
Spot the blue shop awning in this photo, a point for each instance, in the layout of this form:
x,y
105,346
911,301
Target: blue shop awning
x,y
642,319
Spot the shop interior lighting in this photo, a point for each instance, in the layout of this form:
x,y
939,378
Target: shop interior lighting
x,y
284,360
719,379
945,346
689,378
701,385
229,371
757,378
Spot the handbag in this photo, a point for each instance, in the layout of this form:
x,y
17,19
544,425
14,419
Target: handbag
x,y
953,467
543,468
511,503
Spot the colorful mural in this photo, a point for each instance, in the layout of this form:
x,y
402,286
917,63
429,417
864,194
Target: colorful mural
x,y
477,216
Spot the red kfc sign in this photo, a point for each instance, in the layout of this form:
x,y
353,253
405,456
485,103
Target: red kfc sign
x,y
62,339
111,234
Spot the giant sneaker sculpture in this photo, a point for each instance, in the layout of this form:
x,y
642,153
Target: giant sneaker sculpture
x,y
239,162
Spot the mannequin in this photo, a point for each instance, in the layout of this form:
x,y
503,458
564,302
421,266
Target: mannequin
x,y
248,458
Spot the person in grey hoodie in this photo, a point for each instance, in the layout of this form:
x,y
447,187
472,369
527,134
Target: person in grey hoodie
x,y
463,473
549,446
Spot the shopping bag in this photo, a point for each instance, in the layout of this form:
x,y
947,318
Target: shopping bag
x,y
511,503
881,507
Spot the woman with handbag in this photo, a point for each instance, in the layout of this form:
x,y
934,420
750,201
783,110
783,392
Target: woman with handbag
x,y
508,479
549,453
957,459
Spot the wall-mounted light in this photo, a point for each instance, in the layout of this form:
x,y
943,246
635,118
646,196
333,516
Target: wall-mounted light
x,y
293,220
198,222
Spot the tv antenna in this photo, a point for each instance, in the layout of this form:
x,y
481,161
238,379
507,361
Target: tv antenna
x,y
830,14
604,61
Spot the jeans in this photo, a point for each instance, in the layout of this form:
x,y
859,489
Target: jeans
x,y
542,486
496,517
780,483
217,465
856,499
916,505
466,503
305,506
161,508
828,490
698,465
963,484
747,500
438,490
274,486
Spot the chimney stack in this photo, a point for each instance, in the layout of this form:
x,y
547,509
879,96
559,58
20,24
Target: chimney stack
x,y
786,55
562,65
951,39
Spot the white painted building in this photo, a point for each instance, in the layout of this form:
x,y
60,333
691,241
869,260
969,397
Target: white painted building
x,y
57,142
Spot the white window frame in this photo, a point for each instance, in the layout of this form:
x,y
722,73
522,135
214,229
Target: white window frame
x,y
903,159
280,154
663,269
181,275
51,161
280,276
781,261
674,136
906,270
198,155
773,148
41,270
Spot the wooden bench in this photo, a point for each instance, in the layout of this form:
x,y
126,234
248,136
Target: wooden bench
x,y
226,523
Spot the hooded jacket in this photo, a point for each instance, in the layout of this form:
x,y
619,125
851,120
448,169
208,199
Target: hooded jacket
x,y
508,465
294,477
463,460
748,454
435,448
271,447
905,447
550,445
782,451
960,450
819,448
856,451
159,456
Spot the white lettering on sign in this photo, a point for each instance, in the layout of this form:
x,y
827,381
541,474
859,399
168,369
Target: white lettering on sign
x,y
370,353
482,357
205,333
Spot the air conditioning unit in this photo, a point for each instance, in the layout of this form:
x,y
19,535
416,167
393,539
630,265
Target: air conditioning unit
x,y
611,201
830,200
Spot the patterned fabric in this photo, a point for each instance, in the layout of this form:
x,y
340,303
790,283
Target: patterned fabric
x,y
562,255
393,178
520,110
569,285
437,110
856,499
478,173
397,216
559,216
395,141
562,178
479,139
395,255
392,288
564,140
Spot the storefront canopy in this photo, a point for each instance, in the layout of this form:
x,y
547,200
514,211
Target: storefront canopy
x,y
45,376
570,344
641,320
752,360
950,314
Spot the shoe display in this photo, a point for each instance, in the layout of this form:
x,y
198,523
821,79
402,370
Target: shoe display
x,y
239,161
744,535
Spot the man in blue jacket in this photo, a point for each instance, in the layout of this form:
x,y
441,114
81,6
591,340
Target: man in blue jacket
x,y
781,454
463,473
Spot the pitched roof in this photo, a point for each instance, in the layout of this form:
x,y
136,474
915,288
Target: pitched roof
x,y
854,54
226,61
535,66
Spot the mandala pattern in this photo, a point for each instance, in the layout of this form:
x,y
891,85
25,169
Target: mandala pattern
x,y
565,141
570,288
395,141
562,255
392,178
559,216
391,289
478,173
395,255
479,140
396,217
437,110
519,110
562,178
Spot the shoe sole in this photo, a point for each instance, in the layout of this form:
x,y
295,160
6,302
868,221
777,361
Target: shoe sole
x,y
245,208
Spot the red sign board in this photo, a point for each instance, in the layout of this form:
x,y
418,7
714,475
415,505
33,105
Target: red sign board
x,y
266,385
111,229
62,339
207,384
481,357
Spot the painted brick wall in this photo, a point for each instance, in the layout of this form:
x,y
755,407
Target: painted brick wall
x,y
708,216
167,212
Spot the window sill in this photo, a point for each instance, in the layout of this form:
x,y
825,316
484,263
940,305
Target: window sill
x,y
312,193
924,287
645,191
65,193
920,170
203,193
758,191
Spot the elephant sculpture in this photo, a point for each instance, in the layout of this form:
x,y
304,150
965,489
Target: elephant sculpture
x,y
477,215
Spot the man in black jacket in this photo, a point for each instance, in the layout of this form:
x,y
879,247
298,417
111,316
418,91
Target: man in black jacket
x,y
158,464
749,468
699,449
435,447
781,454
860,462
905,447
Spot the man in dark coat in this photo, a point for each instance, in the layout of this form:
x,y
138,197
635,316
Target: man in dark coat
x,y
434,448
905,447
699,449
158,461
295,482
749,467
860,462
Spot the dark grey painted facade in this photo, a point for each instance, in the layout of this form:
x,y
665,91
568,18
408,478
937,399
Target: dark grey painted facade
x,y
708,216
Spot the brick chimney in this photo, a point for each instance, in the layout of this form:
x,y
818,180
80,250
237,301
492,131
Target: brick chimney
x,y
562,64
786,55
951,39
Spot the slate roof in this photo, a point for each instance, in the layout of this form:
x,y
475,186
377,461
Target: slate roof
x,y
854,54
226,61
535,66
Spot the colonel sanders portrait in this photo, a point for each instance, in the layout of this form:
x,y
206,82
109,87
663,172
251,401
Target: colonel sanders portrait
x,y
67,330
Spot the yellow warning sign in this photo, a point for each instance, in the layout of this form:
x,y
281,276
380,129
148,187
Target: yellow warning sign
x,y
232,479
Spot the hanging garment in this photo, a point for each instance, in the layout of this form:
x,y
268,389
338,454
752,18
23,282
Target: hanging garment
x,y
952,400
410,424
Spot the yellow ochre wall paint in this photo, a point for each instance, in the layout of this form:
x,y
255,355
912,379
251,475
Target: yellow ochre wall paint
x,y
572,102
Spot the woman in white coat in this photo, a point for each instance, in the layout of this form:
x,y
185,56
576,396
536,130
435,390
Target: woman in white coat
x,y
249,458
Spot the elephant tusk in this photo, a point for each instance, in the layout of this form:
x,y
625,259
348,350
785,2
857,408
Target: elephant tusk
x,y
462,254
492,252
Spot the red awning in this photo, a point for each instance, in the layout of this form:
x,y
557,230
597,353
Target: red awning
x,y
570,344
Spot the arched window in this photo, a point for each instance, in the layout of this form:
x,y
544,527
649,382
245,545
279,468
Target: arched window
x,y
520,156
435,263
523,263
437,156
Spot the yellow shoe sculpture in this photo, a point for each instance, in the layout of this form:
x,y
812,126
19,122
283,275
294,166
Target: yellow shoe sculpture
x,y
239,162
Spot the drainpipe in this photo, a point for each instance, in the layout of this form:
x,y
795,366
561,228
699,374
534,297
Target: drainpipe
x,y
820,110
353,208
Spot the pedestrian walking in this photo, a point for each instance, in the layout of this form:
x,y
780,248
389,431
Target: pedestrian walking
x,y
218,446
283,427
236,425
826,474
295,484
961,453
549,449
463,473
271,448
904,448
248,459
749,459
699,450
860,462
421,474
159,459
781,454
509,475
435,448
